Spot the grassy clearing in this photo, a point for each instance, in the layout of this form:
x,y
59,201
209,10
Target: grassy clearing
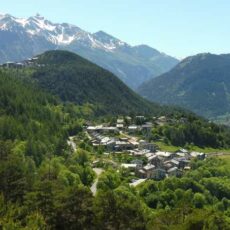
x,y
165,147
171,148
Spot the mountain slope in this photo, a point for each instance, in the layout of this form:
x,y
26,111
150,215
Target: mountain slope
x,y
74,79
31,118
23,38
87,91
200,83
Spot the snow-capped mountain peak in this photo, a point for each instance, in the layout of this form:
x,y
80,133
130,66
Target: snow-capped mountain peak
x,y
59,34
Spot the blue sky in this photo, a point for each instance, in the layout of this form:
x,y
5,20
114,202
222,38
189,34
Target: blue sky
x,y
177,27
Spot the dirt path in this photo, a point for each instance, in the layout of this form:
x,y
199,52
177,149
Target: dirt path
x,y
98,172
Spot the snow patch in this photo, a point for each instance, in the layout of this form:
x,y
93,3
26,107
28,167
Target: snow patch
x,y
21,21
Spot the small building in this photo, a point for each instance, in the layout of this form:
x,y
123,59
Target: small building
x,y
173,171
159,174
165,155
133,143
131,167
133,128
198,155
183,162
102,129
141,173
187,168
140,118
120,126
123,145
175,162
120,121
146,145
167,165
137,182
110,145
155,160
149,170
138,162
147,126
180,154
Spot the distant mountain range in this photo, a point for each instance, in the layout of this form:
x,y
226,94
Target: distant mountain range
x,y
23,38
200,83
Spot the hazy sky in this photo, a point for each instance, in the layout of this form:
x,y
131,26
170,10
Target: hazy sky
x,y
176,27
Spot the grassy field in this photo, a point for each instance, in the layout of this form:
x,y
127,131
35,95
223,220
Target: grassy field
x,y
164,147
226,158
171,148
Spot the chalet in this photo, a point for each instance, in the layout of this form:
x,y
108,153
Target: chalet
x,y
102,129
138,162
183,162
133,143
145,145
141,118
129,119
147,126
159,174
141,173
120,126
175,162
187,168
149,154
105,140
110,145
137,152
133,128
122,145
123,139
120,121
131,167
155,160
137,182
165,155
173,172
180,154
167,165
198,155
149,170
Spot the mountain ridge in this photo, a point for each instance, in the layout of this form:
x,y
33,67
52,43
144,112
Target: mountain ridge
x,y
200,83
27,37
76,80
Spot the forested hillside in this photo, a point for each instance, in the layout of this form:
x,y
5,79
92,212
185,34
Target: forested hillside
x,y
28,116
45,184
200,83
77,80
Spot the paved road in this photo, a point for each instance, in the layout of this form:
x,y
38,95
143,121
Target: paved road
x,y
98,172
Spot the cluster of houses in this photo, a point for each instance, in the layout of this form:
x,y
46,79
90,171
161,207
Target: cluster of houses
x,y
163,164
140,124
115,144
112,141
25,63
159,164
135,125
